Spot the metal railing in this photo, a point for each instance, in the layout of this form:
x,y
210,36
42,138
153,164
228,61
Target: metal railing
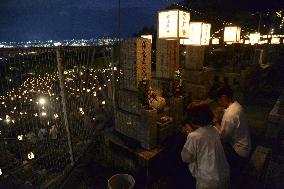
x,y
53,102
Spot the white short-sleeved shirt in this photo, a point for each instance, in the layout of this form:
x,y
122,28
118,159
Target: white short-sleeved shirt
x,y
234,129
209,165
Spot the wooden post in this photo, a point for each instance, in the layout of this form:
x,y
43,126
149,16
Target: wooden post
x,y
63,101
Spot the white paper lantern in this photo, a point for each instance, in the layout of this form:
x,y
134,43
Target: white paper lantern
x,y
247,41
215,41
263,42
254,38
275,40
199,34
148,37
173,24
232,34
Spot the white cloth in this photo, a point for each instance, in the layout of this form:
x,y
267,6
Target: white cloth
x,y
206,159
234,129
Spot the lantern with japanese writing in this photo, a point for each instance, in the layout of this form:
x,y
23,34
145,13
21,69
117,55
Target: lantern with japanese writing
x,y
173,24
254,38
232,34
275,40
199,34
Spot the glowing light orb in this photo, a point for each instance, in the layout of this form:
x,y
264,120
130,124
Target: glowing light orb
x,y
20,137
42,101
31,155
8,119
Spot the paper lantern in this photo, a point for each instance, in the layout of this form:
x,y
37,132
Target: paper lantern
x,y
254,38
232,34
199,34
275,40
215,41
247,41
263,42
173,24
148,37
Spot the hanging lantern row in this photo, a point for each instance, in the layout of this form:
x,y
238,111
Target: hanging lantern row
x,y
176,25
199,34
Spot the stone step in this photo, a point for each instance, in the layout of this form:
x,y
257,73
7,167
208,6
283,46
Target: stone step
x,y
257,167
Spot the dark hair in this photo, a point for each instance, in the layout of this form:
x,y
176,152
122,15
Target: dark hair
x,y
226,90
199,113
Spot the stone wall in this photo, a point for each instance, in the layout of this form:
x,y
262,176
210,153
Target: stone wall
x,y
194,57
132,120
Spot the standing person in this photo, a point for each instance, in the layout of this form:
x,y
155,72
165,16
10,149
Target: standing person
x,y
203,150
234,131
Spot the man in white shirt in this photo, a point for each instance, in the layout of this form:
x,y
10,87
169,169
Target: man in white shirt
x,y
234,130
203,150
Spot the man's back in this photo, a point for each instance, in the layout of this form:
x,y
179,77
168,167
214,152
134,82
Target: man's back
x,y
235,129
211,166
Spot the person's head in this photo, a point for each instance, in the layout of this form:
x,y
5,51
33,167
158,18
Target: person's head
x,y
224,96
199,113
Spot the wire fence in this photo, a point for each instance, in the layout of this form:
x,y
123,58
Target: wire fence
x,y
53,102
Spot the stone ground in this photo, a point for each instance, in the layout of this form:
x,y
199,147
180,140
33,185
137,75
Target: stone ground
x,y
257,111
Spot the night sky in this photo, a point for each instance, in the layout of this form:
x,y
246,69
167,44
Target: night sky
x,y
23,20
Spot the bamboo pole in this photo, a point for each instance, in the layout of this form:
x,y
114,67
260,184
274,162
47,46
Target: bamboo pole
x,y
63,101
